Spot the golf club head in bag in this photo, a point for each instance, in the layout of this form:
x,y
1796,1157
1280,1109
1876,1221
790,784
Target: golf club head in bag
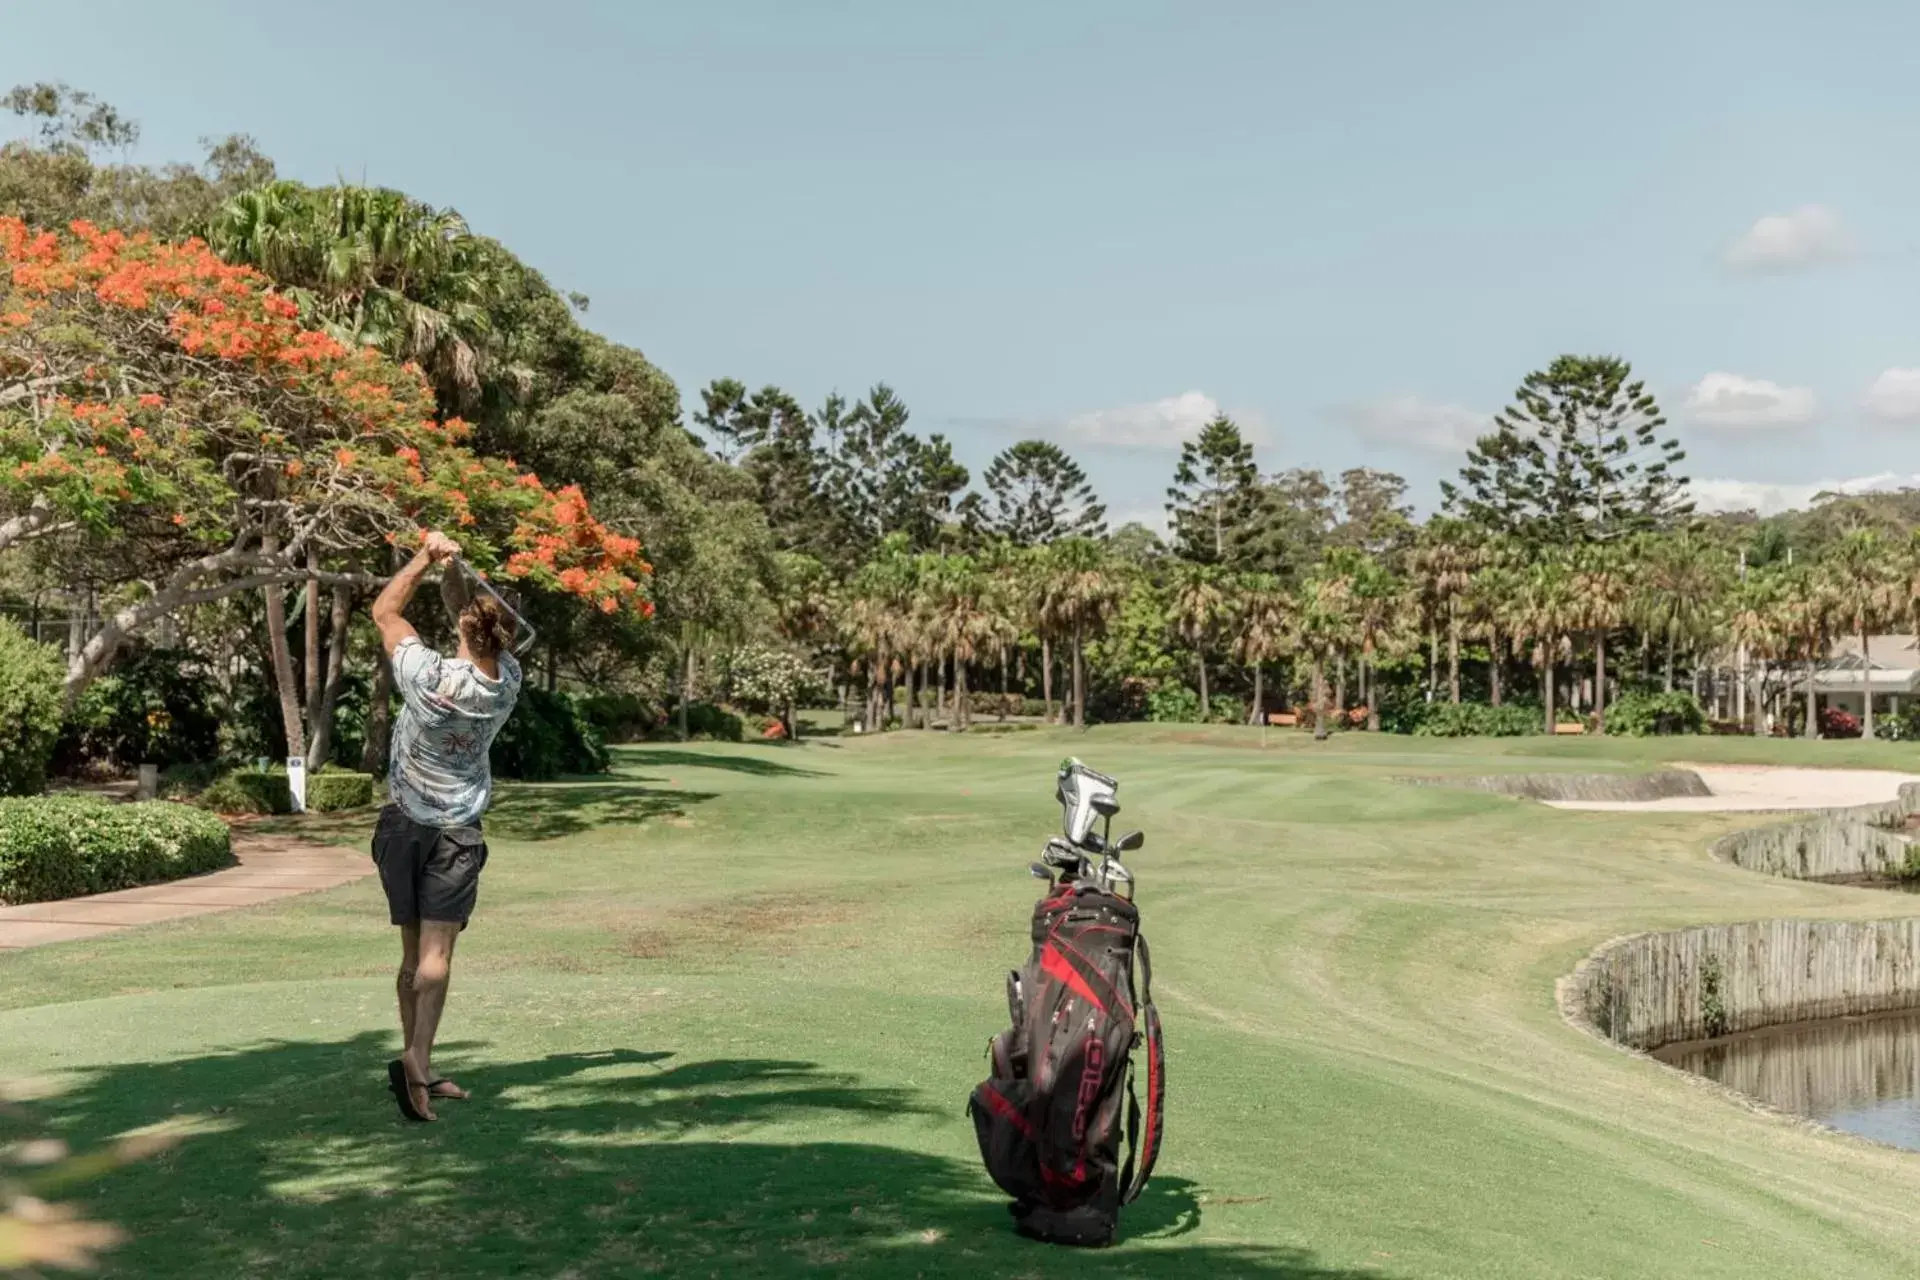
x,y
461,583
1085,798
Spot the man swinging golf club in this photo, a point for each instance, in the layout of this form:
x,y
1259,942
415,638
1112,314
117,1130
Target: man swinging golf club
x,y
428,843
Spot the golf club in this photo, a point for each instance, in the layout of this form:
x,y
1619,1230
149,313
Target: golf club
x,y
524,633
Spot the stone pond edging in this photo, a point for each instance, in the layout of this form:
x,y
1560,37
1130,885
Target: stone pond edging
x,y
1655,989
1661,784
1674,986
1832,844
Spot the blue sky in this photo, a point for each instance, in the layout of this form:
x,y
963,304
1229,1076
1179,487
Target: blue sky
x,y
1353,226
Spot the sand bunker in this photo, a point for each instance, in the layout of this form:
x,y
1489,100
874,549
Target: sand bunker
x,y
1754,788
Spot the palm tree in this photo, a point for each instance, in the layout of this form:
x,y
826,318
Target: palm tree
x,y
1603,596
960,620
1756,622
1199,604
1261,617
1001,563
1679,580
1379,604
1489,605
1804,614
879,622
1324,629
1544,612
373,267
1443,564
1081,594
1860,572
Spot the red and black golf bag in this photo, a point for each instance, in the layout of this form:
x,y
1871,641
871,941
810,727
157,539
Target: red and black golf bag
x,y
1048,1118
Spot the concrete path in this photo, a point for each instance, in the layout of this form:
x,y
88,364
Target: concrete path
x,y
271,867
1757,788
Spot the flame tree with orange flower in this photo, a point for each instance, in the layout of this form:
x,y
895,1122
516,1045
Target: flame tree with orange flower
x,y
167,413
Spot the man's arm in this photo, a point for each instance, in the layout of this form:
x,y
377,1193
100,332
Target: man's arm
x,y
390,606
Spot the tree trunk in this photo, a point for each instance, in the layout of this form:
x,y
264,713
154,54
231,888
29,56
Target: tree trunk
x,y
1433,662
916,677
1079,682
1340,686
1546,683
281,656
1493,664
322,715
1668,686
1003,684
373,755
1372,686
686,690
1259,694
1046,675
1206,704
1600,682
310,669
1453,654
960,709
939,688
1320,730
1812,727
1866,686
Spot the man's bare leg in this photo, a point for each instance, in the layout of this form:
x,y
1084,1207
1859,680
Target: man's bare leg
x,y
403,986
431,973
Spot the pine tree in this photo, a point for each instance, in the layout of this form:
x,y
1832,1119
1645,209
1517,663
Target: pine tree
x,y
1215,488
1040,495
1579,457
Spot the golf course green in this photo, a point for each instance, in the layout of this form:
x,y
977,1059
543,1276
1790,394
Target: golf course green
x,y
721,1009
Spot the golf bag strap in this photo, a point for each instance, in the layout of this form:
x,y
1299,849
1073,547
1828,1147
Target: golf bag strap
x,y
1140,1160
1146,968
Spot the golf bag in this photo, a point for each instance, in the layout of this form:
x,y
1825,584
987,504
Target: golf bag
x,y
1048,1117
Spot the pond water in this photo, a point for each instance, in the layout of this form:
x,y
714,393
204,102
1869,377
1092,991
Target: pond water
x,y
1857,1074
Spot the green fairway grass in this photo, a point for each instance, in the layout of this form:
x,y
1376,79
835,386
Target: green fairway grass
x,y
721,1011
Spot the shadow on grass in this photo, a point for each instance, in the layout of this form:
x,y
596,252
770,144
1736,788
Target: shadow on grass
x,y
520,811
606,1164
551,810
758,766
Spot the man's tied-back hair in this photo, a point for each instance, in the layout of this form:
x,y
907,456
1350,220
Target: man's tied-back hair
x,y
485,627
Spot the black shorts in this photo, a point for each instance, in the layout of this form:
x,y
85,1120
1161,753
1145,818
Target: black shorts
x,y
429,873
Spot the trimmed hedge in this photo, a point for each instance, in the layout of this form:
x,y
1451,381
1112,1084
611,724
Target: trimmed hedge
x,y
1646,715
1478,720
332,790
31,707
248,791
546,737
66,846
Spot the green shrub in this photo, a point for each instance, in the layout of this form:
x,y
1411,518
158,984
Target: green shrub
x,y
187,781
1478,720
157,706
332,790
65,846
31,706
1173,704
548,736
707,722
248,791
622,717
1227,709
1646,715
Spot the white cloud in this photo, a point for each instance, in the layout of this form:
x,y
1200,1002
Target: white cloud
x,y
1416,423
1809,236
1158,424
1771,499
1894,396
1730,401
